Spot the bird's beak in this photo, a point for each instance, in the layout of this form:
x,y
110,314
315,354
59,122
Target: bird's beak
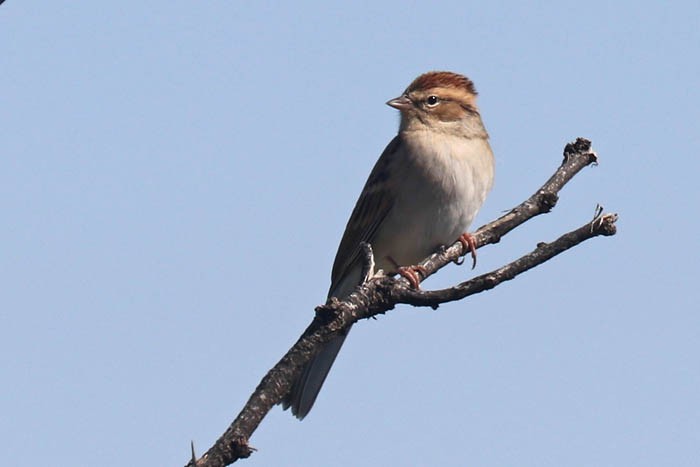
x,y
401,103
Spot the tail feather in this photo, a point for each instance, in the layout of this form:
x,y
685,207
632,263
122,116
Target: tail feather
x,y
307,386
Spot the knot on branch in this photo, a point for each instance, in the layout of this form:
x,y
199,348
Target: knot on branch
x,y
605,225
327,312
236,448
241,448
546,200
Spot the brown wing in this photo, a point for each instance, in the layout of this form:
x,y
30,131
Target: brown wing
x,y
371,209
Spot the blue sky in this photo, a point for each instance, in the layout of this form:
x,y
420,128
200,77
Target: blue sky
x,y
176,178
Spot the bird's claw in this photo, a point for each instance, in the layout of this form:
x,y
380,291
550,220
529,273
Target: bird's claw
x,y
468,245
410,273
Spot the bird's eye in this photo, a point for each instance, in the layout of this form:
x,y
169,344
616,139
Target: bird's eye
x,y
432,101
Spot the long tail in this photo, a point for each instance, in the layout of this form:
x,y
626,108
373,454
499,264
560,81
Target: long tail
x,y
307,386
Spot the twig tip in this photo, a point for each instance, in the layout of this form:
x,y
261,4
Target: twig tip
x,y
581,146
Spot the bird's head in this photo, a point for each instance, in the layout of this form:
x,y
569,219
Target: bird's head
x,y
440,101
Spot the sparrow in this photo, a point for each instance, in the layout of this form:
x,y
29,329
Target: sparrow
x,y
421,195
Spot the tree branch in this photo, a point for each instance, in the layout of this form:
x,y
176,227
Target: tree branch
x,y
603,224
378,295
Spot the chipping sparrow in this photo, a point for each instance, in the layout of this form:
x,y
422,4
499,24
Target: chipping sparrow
x,y
423,193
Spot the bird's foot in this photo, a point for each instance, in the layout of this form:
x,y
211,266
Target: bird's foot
x,y
468,245
411,274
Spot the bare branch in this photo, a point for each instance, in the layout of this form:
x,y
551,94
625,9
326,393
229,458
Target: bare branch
x,y
604,225
380,294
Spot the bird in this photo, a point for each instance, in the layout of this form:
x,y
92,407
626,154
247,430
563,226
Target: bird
x,y
422,195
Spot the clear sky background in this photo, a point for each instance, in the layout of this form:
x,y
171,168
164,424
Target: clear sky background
x,y
175,178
